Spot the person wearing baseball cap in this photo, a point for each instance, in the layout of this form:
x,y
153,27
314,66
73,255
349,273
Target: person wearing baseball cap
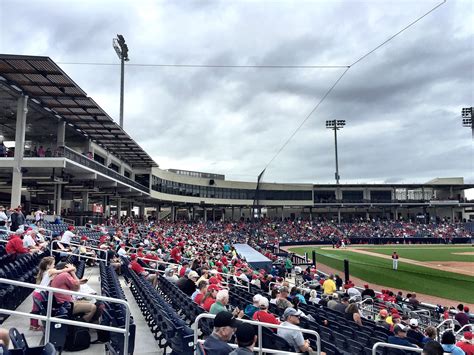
x,y
414,334
466,343
262,315
224,328
399,338
382,319
246,335
294,336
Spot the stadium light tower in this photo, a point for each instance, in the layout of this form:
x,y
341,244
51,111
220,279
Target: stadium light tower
x,y
335,125
466,114
121,49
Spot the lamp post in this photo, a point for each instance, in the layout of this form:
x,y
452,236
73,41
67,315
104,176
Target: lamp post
x,y
335,125
121,49
466,114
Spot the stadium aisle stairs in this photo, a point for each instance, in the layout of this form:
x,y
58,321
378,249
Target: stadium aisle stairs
x,y
144,340
145,343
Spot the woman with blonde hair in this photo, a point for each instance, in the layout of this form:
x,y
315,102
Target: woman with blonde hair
x,y
352,313
45,274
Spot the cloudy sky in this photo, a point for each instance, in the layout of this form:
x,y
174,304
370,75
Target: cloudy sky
x,y
402,103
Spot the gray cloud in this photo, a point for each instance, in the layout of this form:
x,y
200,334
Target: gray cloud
x,y
402,104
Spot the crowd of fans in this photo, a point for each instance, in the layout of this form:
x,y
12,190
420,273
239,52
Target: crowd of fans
x,y
200,259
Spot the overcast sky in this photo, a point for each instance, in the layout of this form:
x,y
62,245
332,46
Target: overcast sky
x,y
402,104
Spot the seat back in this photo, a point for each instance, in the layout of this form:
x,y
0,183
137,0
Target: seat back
x,y
18,339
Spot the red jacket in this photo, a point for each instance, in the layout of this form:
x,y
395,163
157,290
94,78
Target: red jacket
x,y
15,245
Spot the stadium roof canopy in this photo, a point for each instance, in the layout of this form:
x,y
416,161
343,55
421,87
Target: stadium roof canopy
x,y
48,86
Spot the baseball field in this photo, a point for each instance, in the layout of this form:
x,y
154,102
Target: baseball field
x,y
444,271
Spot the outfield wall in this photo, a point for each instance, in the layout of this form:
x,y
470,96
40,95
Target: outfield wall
x,y
382,241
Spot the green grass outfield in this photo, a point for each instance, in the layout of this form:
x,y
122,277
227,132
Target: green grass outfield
x,y
409,277
426,253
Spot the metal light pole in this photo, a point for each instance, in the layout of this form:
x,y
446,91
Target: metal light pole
x,y
466,114
335,125
121,49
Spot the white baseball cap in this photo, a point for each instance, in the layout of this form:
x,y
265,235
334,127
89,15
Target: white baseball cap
x,y
414,322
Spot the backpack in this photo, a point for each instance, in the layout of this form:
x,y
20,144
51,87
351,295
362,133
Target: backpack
x,y
78,338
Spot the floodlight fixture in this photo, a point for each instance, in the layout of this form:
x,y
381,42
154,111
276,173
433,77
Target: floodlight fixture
x,y
121,49
466,114
335,125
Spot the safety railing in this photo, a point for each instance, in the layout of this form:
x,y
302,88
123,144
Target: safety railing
x,y
259,349
80,256
83,160
178,265
444,322
49,318
394,346
466,326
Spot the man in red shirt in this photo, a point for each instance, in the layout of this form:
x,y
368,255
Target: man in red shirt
x,y
15,246
176,254
211,299
69,281
139,270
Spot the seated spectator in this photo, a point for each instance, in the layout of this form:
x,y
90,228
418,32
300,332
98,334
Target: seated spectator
x,y
262,315
338,281
352,313
433,348
15,246
69,281
295,293
430,334
332,303
382,319
170,276
466,343
246,335
313,297
222,300
367,292
252,308
139,270
414,301
400,336
210,297
294,336
187,283
200,291
282,299
224,328
342,307
414,334
448,340
274,296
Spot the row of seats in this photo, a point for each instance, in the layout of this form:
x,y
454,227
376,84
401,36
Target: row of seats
x,y
23,269
167,327
114,314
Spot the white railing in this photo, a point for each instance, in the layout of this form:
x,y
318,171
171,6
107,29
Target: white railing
x,y
48,318
80,256
466,326
178,265
393,346
444,322
195,327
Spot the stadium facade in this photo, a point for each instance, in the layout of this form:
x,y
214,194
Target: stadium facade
x,y
66,154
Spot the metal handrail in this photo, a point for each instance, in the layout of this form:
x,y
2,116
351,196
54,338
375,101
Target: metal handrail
x,y
79,245
195,327
79,255
265,350
465,326
449,320
394,346
48,318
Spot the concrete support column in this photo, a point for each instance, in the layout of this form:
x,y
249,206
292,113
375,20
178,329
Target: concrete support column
x,y
338,215
119,207
173,213
158,212
396,213
21,111
61,141
311,213
282,215
232,218
213,214
193,213
452,214
85,201
367,216
205,214
122,169
107,206
129,209
366,194
141,211
58,198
